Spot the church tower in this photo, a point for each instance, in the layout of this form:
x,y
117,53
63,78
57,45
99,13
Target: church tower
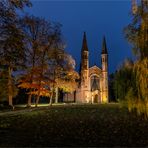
x,y
104,61
93,86
84,61
84,71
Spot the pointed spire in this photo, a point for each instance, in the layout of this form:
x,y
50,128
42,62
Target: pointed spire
x,y
104,48
84,44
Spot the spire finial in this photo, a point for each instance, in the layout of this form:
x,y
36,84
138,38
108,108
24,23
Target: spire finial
x,y
84,44
104,48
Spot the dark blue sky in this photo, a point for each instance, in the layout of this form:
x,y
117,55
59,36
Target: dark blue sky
x,y
97,18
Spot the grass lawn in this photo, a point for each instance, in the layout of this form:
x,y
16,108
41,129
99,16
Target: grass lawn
x,y
73,125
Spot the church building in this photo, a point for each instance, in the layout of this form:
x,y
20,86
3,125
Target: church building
x,y
93,85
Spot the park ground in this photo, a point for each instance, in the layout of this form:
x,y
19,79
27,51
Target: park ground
x,y
73,125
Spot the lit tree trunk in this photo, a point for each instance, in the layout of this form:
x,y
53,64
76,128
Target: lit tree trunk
x,y
52,95
51,98
33,65
37,100
29,100
41,76
38,96
56,99
30,95
10,87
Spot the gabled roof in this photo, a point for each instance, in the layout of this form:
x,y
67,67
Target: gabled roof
x,y
95,67
94,70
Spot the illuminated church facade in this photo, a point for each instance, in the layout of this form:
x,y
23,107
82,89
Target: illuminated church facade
x,y
93,85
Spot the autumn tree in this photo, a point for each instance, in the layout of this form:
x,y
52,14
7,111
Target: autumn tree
x,y
53,43
3,86
11,40
62,72
36,32
137,31
137,34
42,37
69,77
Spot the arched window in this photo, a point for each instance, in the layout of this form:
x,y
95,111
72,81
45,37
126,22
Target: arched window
x,y
95,83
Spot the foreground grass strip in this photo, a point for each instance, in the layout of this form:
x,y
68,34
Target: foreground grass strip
x,y
74,125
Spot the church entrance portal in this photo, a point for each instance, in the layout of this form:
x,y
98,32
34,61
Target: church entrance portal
x,y
96,98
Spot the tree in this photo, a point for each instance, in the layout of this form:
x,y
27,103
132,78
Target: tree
x,y
137,34
53,39
11,40
68,80
37,32
137,31
58,73
61,71
137,95
123,80
112,97
3,86
43,47
33,87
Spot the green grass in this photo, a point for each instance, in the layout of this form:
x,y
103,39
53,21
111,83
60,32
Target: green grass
x,y
73,125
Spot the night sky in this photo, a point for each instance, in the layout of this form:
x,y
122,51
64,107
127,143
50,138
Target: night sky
x,y
97,18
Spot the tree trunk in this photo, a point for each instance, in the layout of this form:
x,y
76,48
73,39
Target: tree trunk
x,y
10,100
56,99
41,77
51,98
37,101
38,96
10,97
29,100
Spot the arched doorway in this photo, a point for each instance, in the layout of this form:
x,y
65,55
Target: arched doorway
x,y
96,97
